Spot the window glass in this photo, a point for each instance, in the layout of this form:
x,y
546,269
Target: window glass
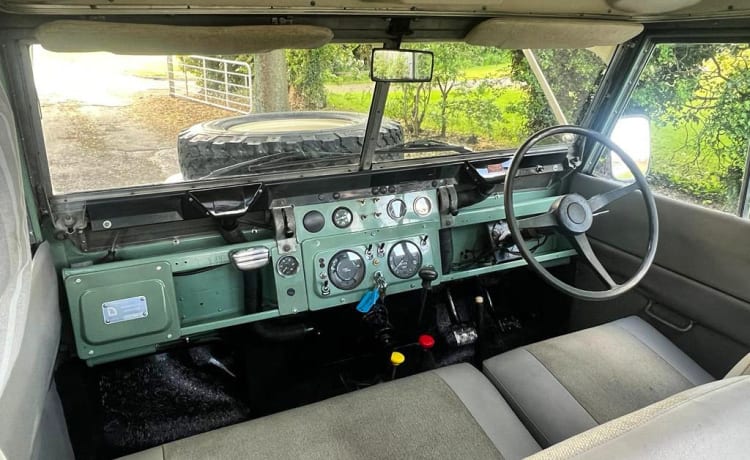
x,y
697,97
112,121
487,98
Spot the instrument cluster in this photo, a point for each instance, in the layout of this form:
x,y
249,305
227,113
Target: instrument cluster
x,y
349,239
343,270
355,215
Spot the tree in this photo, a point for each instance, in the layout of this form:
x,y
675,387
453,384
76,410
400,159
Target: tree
x,y
450,60
701,91
270,82
307,72
573,75
537,114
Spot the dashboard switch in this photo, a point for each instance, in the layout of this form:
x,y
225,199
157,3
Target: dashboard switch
x,y
325,289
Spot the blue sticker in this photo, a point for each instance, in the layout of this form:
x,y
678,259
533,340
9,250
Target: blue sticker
x,y
117,311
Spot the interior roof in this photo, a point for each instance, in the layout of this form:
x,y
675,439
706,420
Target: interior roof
x,y
557,8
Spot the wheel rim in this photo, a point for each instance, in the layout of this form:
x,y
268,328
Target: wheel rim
x,y
291,125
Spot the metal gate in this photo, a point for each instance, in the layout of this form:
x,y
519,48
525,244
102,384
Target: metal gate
x,y
222,83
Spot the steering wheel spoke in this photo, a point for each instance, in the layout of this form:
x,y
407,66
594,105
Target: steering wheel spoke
x,y
602,200
582,245
545,220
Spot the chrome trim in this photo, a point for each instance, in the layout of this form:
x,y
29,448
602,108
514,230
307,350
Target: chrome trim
x,y
250,258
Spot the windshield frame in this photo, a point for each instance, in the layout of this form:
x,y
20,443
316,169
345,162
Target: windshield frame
x,y
21,82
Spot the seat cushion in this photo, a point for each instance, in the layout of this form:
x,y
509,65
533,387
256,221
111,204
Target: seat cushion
x,y
566,385
708,421
447,413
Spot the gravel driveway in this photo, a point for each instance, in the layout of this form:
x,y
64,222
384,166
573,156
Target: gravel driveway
x,y
106,127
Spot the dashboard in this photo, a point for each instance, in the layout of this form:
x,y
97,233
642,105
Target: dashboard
x,y
324,249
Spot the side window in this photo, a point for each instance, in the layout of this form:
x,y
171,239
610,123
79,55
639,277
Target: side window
x,y
696,98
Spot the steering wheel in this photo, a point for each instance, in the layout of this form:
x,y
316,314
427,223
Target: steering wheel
x,y
572,215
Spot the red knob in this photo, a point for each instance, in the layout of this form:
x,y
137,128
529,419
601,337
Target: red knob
x,y
426,341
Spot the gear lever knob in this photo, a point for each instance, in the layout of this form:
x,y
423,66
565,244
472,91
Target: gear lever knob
x,y
428,274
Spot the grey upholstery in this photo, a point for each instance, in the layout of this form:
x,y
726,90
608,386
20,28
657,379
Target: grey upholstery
x,y
448,413
709,421
15,249
741,368
566,385
30,412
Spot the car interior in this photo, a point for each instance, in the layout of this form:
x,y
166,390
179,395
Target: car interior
x,y
474,303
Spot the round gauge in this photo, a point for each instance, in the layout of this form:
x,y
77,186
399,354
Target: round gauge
x,y
422,206
342,217
346,270
405,259
396,208
287,266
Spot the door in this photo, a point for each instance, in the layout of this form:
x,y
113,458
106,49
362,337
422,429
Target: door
x,y
697,293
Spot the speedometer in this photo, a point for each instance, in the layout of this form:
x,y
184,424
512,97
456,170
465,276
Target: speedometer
x,y
346,270
405,259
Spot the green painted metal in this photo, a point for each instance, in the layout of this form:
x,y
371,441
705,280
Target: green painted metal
x,y
116,356
558,256
212,326
369,214
323,249
88,291
207,293
210,296
291,292
492,209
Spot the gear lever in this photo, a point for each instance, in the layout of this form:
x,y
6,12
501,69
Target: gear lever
x,y
428,275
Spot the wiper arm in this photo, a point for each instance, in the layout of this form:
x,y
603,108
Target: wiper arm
x,y
424,145
266,161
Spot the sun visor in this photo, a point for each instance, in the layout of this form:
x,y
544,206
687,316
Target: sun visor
x,y
536,33
155,39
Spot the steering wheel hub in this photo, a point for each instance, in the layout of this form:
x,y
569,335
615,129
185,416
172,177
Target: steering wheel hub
x,y
574,214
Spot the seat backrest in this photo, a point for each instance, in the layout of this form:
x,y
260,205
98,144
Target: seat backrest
x,y
708,421
31,415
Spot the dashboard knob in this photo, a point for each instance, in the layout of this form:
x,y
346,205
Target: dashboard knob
x,y
426,342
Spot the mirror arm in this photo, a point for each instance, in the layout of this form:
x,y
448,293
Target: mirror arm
x,y
375,116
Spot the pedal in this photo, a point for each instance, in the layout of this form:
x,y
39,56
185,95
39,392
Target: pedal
x,y
509,324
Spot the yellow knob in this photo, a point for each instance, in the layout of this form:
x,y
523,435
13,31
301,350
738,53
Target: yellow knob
x,y
397,358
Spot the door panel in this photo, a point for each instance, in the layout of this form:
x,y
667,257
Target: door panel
x,y
701,273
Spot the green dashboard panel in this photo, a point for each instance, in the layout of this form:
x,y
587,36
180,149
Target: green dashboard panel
x,y
121,308
131,307
162,299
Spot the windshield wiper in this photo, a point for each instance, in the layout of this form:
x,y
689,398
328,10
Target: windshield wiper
x,y
424,145
276,160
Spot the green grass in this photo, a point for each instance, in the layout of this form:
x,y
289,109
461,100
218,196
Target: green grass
x,y
487,71
503,133
677,166
152,70
350,102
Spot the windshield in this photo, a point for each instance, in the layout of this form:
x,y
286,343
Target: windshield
x,y
112,121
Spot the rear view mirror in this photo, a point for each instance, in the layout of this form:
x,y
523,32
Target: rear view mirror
x,y
633,135
401,66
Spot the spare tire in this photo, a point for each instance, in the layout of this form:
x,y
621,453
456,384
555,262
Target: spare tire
x,y
208,146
